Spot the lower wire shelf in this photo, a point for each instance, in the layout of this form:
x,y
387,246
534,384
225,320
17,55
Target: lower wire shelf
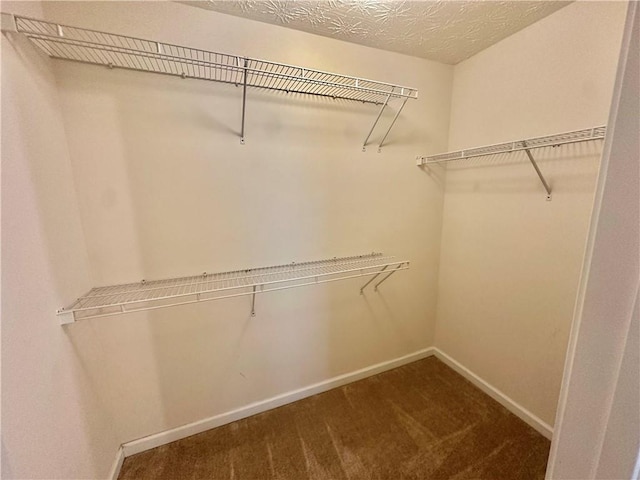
x,y
150,295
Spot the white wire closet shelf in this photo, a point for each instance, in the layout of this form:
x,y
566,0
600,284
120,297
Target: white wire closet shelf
x,y
150,295
526,145
112,50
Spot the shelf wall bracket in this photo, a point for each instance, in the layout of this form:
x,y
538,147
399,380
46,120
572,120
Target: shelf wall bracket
x,y
375,288
364,144
8,23
253,302
244,98
65,317
392,123
537,169
372,279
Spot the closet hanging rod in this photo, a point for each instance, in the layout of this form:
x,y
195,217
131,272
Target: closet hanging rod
x,y
555,140
151,295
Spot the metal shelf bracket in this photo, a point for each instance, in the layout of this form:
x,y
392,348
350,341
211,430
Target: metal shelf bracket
x,y
537,169
372,279
392,124
8,23
65,317
244,97
364,144
253,301
375,288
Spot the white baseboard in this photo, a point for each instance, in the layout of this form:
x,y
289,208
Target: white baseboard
x,y
514,407
168,436
117,465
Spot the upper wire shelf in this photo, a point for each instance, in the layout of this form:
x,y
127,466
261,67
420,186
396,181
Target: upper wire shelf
x,y
91,46
100,48
150,295
527,144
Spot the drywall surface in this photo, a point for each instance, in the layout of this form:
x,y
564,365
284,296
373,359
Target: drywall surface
x,y
621,443
601,386
166,189
54,424
511,260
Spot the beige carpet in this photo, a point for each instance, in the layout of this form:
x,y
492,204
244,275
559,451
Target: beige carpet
x,y
420,421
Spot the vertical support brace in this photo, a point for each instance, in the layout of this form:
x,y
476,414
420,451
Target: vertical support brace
x,y
392,123
535,166
375,288
244,99
364,144
253,302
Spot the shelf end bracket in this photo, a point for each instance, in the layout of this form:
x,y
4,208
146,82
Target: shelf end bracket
x,y
8,23
66,317
537,169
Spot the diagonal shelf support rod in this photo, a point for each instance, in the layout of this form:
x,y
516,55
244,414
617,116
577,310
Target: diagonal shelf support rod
x,y
391,126
372,279
537,169
375,288
364,144
253,301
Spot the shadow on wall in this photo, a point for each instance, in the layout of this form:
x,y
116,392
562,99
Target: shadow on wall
x,y
48,400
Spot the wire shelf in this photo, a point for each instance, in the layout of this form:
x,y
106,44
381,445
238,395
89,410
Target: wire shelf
x,y
101,48
528,144
149,295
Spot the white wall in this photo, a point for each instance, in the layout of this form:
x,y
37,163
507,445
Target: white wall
x,y
54,420
510,260
164,188
156,184
600,396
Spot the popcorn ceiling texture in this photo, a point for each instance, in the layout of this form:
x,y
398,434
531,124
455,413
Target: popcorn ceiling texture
x,y
442,30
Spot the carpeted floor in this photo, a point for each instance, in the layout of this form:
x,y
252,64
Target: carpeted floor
x,y
419,421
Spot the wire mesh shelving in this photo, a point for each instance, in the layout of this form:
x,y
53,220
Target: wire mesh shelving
x,y
150,295
118,51
526,145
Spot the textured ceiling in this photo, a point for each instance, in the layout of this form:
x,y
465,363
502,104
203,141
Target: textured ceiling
x,y
444,30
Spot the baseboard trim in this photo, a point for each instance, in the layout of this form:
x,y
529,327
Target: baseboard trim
x,y
511,405
117,465
168,436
